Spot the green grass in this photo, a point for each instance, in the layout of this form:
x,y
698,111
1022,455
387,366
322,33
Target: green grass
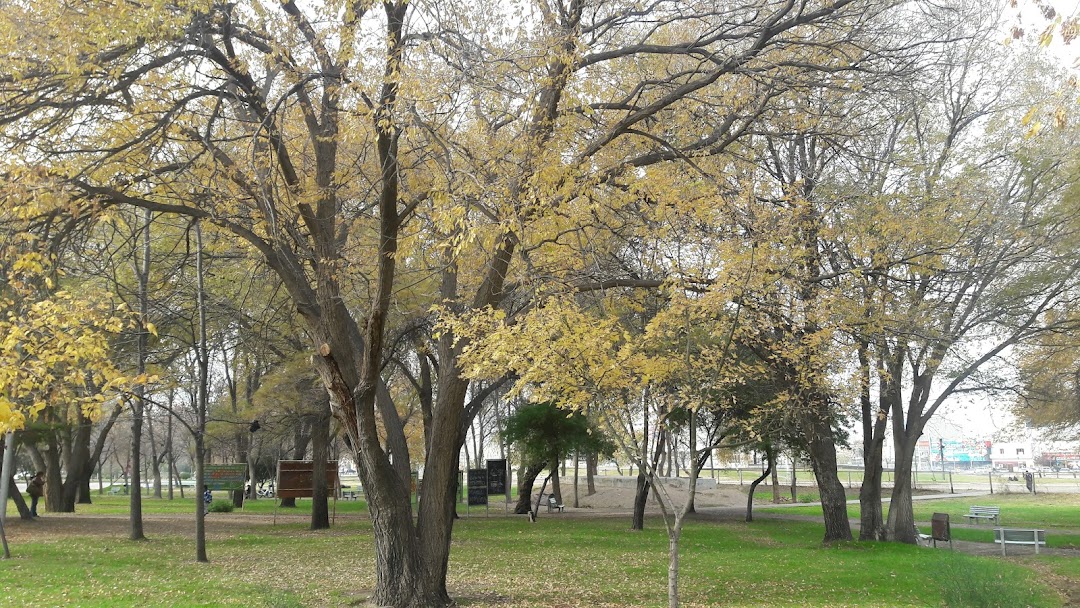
x,y
1058,514
503,561
1017,510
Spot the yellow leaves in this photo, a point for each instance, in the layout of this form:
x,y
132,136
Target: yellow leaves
x,y
1029,120
56,351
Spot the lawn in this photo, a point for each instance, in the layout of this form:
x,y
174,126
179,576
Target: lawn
x,y
1059,514
497,560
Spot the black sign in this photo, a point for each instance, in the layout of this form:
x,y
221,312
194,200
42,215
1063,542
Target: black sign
x,y
496,476
478,487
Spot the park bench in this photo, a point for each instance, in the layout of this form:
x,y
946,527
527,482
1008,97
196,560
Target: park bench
x,y
1019,536
348,494
553,505
114,489
976,513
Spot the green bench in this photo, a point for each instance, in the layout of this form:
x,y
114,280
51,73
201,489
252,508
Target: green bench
x,y
977,512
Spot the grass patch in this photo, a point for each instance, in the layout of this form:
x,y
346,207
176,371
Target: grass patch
x,y
506,562
1017,510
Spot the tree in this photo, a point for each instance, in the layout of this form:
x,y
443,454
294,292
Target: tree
x,y
545,435
52,350
954,282
358,150
1049,390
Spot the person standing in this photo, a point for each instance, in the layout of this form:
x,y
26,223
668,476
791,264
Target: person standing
x,y
36,488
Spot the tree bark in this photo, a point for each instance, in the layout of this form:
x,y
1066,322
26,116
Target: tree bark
x,y
775,479
901,522
556,488
577,463
17,498
641,499
320,449
591,461
525,486
821,444
770,458
871,518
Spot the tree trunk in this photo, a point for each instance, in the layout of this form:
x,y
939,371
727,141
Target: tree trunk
x,y
577,462
135,487
556,488
200,507
822,447
901,521
95,459
641,499
78,466
155,459
54,482
673,567
17,498
320,448
794,488
138,405
525,486
871,518
775,477
769,459
591,461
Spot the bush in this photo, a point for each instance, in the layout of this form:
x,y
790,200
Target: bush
x,y
810,497
221,506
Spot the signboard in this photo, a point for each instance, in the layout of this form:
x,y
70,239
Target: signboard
x,y
959,451
225,476
294,478
496,476
478,487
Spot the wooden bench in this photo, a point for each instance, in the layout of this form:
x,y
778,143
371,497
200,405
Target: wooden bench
x,y
976,513
553,505
350,495
1019,536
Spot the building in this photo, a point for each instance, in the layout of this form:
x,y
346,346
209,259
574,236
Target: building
x,y
1013,456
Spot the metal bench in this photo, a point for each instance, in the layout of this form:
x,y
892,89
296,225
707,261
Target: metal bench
x,y
977,512
553,505
1019,536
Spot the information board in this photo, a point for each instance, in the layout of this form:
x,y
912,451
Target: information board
x,y
294,478
478,487
225,476
496,476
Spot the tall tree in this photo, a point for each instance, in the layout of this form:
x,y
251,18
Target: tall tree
x,y
351,146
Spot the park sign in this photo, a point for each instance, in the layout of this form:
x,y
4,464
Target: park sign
x,y
225,476
496,476
478,487
295,478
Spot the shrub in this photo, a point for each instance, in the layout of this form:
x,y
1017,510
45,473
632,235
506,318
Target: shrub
x,y
221,506
810,497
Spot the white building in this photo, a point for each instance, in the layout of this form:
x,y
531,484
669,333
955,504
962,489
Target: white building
x,y
1013,456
